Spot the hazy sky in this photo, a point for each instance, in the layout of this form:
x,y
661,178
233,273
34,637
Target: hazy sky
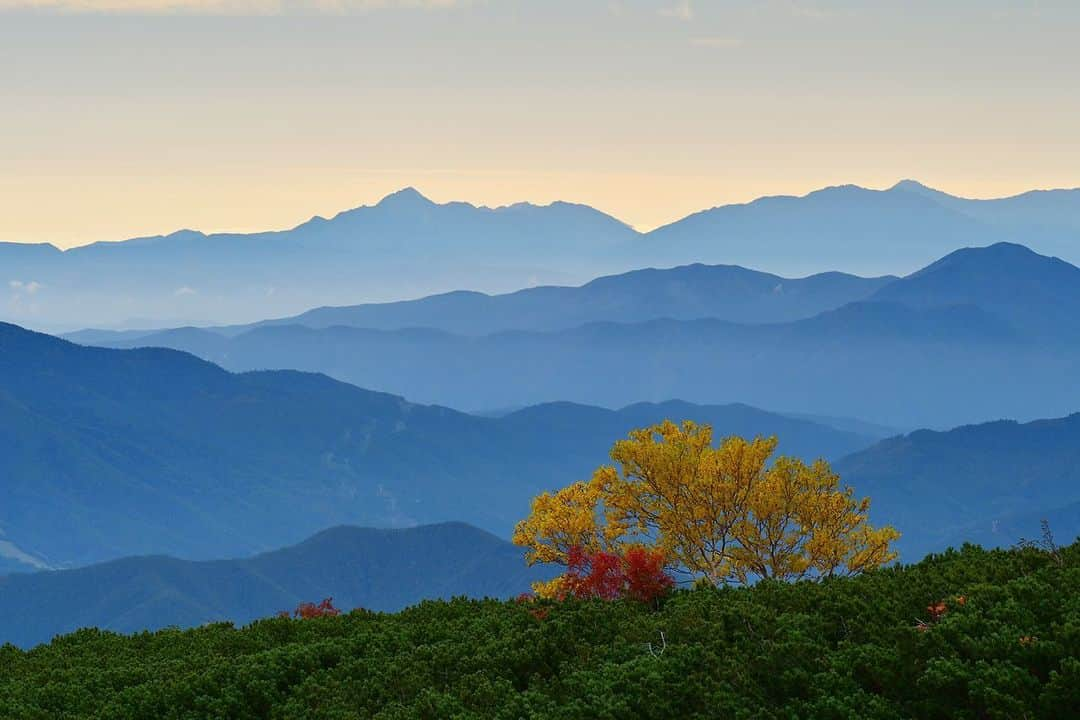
x,y
127,117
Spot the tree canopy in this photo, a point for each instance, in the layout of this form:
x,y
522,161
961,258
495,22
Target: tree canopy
x,y
719,511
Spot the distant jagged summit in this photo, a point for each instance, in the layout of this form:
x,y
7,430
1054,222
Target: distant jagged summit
x,y
407,245
407,197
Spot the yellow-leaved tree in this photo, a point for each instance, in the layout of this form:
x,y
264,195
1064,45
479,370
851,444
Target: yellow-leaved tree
x,y
722,512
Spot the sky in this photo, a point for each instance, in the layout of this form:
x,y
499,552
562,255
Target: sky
x,y
122,118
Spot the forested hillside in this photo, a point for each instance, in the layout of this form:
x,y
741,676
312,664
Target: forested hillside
x,y
990,483
969,634
107,453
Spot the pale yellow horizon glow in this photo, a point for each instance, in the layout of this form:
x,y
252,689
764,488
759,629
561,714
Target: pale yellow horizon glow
x,y
118,122
130,208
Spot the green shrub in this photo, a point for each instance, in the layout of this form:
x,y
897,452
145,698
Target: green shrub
x,y
1004,643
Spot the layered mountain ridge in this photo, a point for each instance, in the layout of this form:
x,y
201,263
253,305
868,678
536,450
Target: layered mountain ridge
x,y
920,350
106,453
408,246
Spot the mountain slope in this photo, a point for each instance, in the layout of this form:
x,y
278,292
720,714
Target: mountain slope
x,y
1038,210
869,231
109,453
883,362
683,293
105,453
941,347
381,570
1038,295
581,432
942,487
848,227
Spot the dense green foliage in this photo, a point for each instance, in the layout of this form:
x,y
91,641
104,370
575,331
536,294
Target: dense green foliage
x,y
844,648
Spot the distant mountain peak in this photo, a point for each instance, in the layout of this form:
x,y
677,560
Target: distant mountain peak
x,y
405,197
909,184
846,189
995,253
992,262
914,187
1009,249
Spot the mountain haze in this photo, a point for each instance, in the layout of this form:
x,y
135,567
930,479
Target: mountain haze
x,y
407,246
941,347
1042,210
404,246
991,483
864,231
106,453
683,293
1037,295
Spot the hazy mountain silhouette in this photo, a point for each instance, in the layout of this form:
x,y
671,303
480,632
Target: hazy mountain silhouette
x,y
1040,210
864,231
1007,529
105,453
404,246
855,425
941,347
407,246
683,293
381,570
1038,295
990,483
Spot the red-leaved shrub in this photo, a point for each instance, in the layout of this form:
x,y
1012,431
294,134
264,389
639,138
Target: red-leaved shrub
x,y
646,579
638,574
307,610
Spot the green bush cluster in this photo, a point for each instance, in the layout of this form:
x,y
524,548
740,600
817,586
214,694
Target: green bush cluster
x,y
1007,645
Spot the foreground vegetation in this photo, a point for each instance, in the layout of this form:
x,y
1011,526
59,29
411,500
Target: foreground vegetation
x,y
726,513
968,634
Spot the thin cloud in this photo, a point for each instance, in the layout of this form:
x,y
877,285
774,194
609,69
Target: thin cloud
x,y
721,42
30,287
808,9
681,10
21,300
226,7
